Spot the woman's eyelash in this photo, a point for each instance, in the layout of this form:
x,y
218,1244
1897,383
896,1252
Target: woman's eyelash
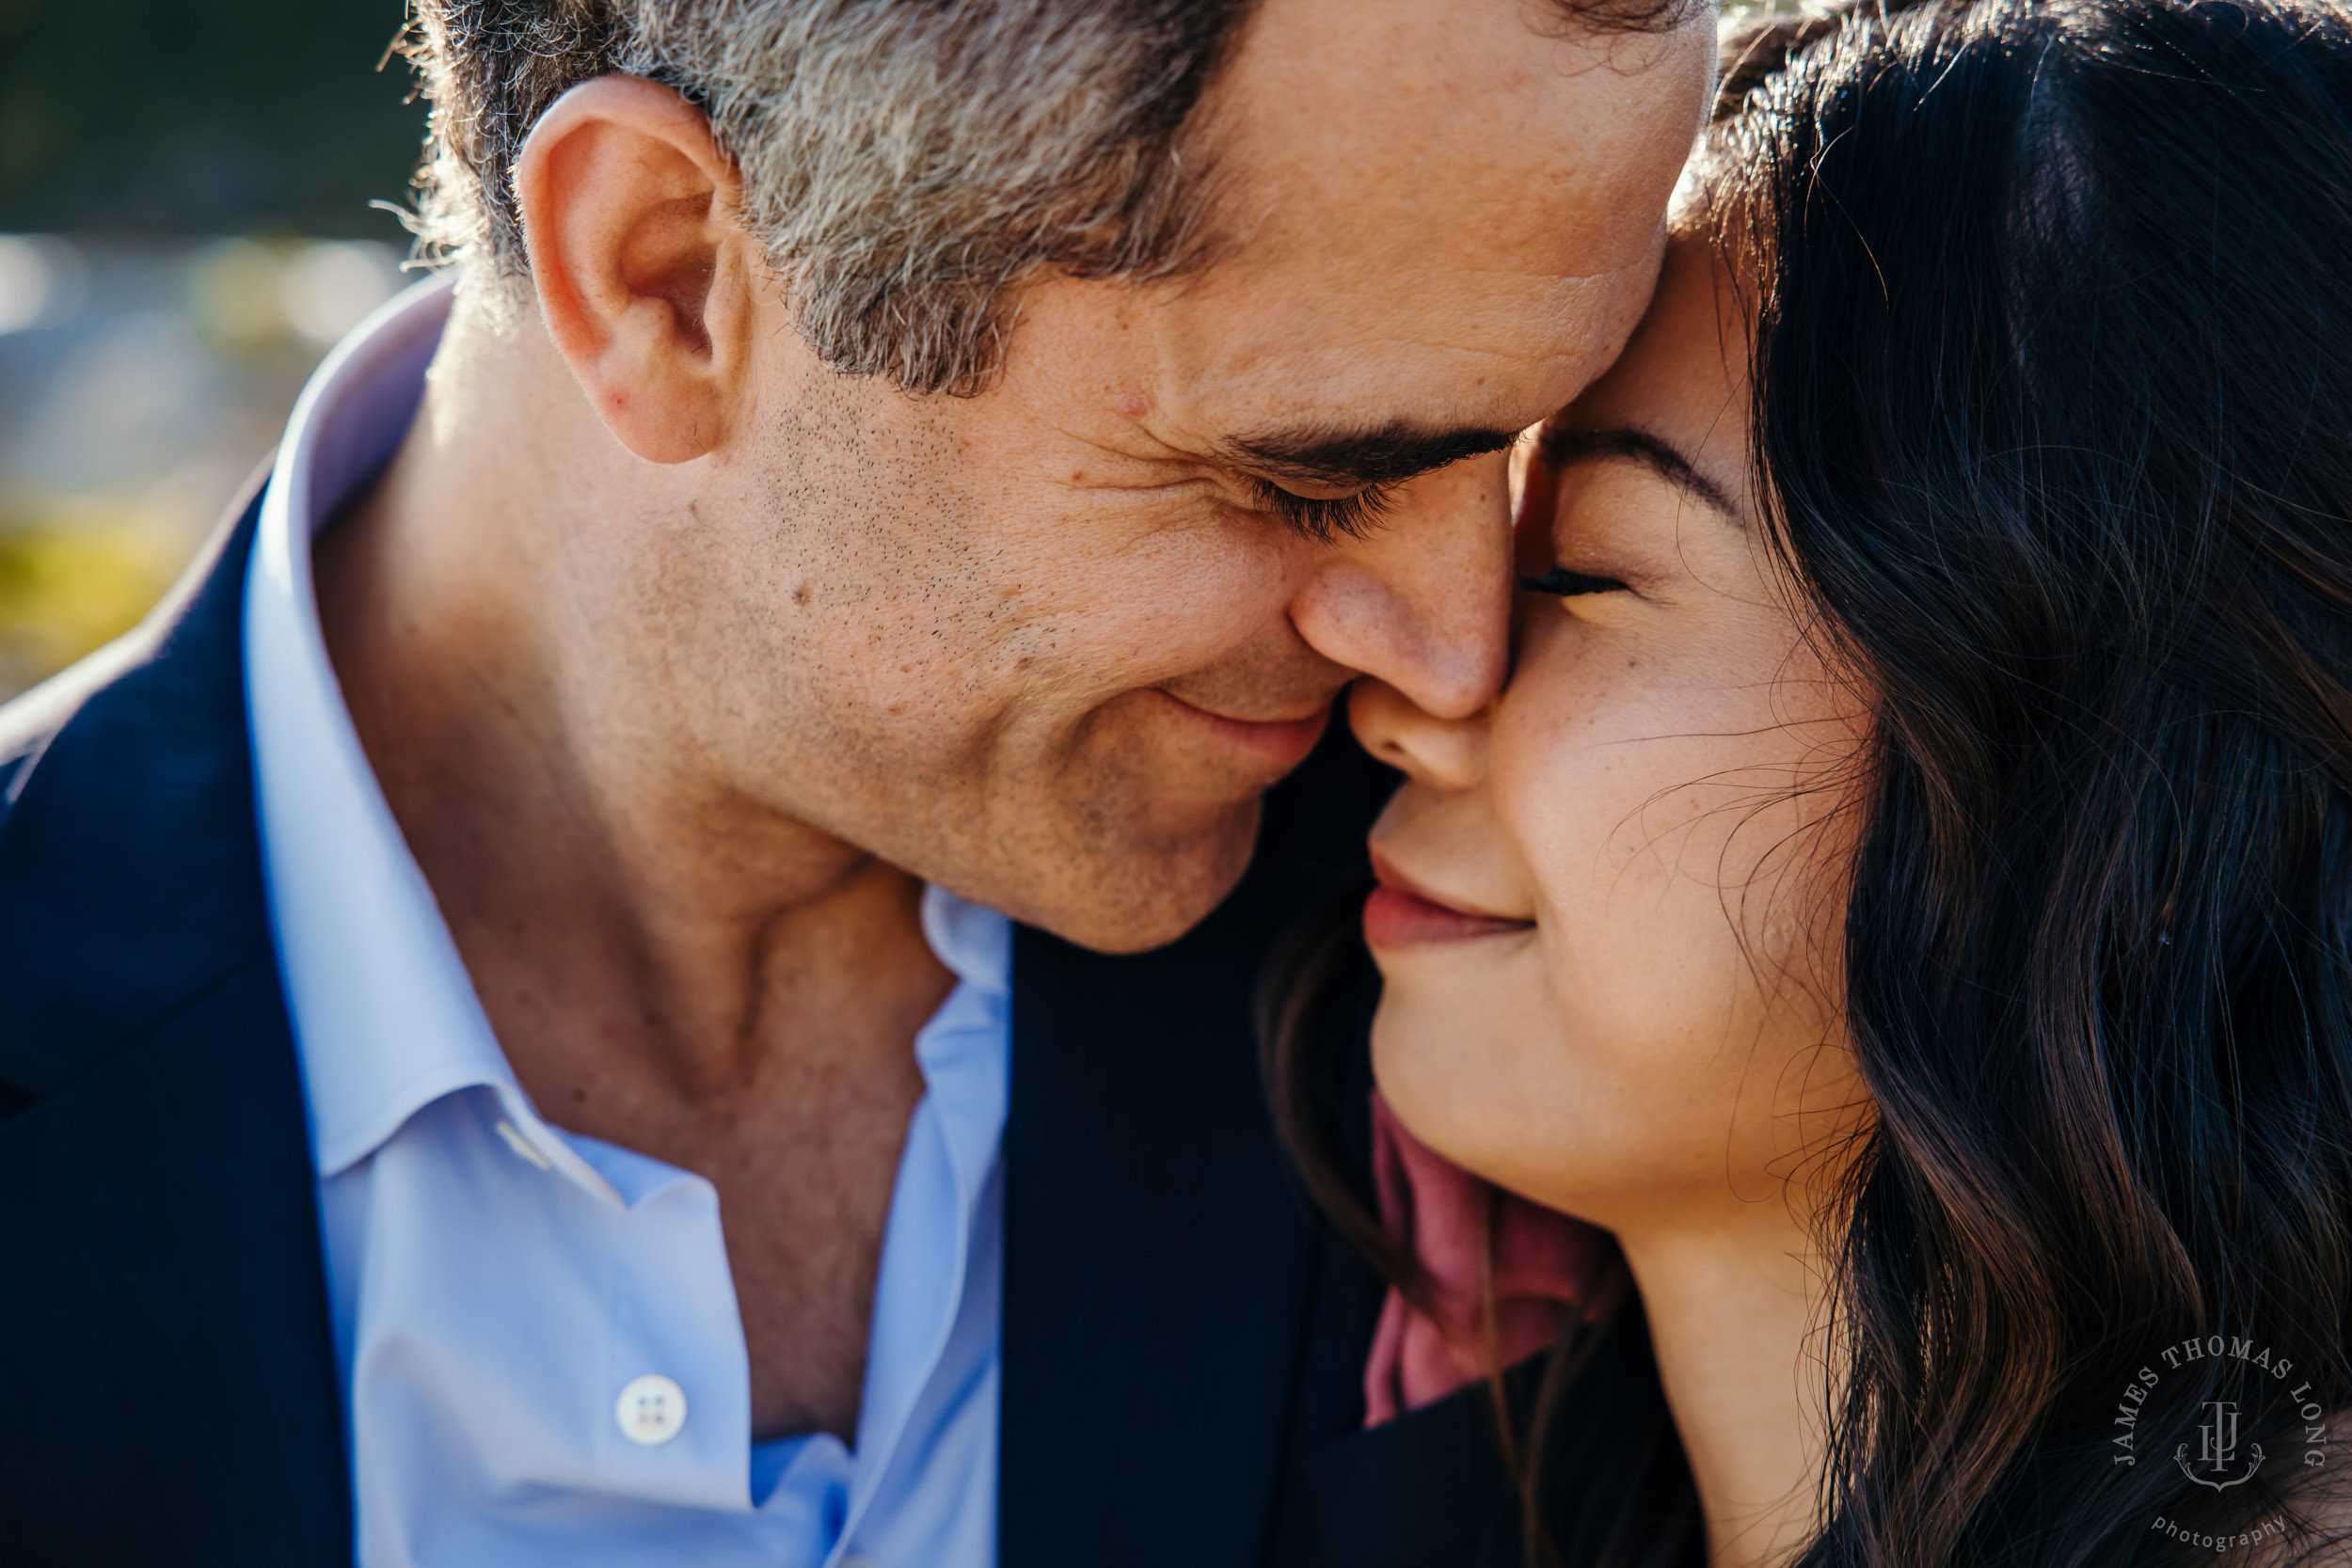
x,y
1566,584
1322,520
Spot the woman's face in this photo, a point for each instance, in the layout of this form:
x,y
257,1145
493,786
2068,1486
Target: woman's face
x,y
1611,905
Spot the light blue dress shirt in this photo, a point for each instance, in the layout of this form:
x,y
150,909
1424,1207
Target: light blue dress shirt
x,y
523,1314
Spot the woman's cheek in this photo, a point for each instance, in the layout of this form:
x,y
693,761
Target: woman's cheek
x,y
1638,930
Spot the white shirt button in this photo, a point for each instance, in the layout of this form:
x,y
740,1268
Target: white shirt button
x,y
650,1410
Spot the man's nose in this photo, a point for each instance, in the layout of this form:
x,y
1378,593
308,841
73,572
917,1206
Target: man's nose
x,y
1444,753
1423,600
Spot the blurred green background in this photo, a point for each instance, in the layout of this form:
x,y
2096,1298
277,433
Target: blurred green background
x,y
184,228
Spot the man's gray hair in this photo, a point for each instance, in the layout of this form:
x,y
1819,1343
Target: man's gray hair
x,y
903,162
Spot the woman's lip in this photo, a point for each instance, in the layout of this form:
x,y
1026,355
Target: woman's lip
x,y
1398,914
1283,742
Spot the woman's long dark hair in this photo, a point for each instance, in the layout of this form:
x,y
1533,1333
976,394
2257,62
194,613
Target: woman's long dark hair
x,y
2053,413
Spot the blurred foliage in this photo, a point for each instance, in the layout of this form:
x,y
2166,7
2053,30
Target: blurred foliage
x,y
66,587
154,362
203,117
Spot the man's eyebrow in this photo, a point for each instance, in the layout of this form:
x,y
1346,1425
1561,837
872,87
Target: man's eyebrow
x,y
1562,446
1384,456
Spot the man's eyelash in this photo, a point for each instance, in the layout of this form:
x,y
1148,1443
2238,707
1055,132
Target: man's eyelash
x,y
1351,516
1563,583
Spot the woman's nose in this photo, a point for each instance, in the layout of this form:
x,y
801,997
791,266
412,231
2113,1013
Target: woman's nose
x,y
1445,753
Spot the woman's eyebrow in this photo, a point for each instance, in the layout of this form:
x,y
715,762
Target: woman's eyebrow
x,y
1561,446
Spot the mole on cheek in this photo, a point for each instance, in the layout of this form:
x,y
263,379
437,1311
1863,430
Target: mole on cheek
x,y
1130,408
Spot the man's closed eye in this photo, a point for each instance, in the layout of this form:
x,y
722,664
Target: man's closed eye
x,y
1324,520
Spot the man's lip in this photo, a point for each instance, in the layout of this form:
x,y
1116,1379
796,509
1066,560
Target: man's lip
x,y
1400,914
1283,742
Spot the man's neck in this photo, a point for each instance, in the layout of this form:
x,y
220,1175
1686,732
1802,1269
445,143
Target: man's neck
x,y
669,964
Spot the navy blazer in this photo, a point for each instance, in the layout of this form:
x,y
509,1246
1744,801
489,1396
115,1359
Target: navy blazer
x,y
1184,1343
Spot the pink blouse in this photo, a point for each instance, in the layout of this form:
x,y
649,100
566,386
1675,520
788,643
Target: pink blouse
x,y
1543,1267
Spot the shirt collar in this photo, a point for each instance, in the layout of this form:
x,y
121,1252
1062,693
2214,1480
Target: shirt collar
x,y
386,1020
972,941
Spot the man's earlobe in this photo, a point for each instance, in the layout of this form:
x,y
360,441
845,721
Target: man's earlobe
x,y
642,273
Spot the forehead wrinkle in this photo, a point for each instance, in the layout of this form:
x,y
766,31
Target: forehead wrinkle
x,y
1301,302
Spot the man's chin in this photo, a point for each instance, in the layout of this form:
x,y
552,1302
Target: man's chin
x,y
1134,897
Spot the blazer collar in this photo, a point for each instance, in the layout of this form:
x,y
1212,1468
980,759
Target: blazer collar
x,y
162,1227
129,871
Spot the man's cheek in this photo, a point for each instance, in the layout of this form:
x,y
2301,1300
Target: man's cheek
x,y
1124,646
1207,612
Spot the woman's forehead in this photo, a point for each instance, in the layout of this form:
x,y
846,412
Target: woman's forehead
x,y
1682,379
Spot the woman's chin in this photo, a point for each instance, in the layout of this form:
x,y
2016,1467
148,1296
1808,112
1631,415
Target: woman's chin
x,y
1482,1074
1447,1083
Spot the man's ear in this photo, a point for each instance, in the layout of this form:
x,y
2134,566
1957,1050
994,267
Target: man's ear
x,y
643,274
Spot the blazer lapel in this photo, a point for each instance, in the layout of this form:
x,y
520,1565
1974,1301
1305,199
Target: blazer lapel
x,y
1159,1260
162,1300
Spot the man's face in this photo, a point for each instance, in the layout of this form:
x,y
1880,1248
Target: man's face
x,y
1048,645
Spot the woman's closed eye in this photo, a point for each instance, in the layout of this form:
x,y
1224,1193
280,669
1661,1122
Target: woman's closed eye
x,y
1566,584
